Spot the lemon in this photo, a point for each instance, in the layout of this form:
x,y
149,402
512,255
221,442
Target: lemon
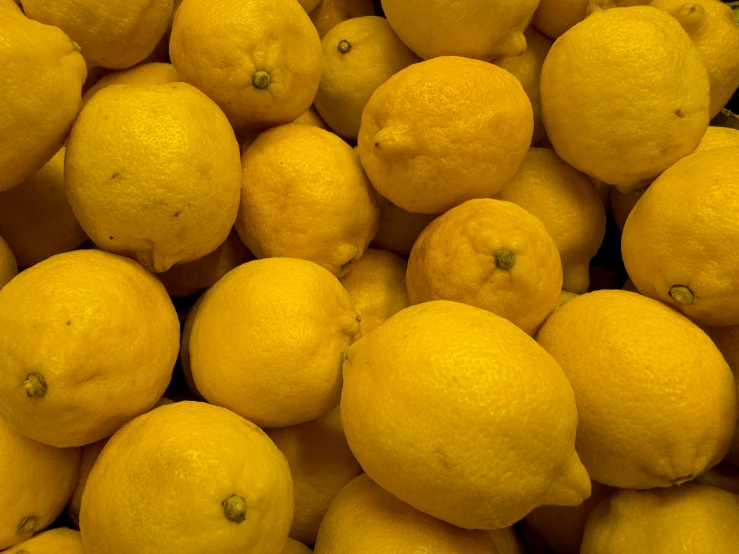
x,y
41,76
37,482
526,68
444,131
260,61
475,29
196,276
718,137
624,95
36,218
568,204
304,195
311,117
294,547
309,5
622,204
91,341
8,265
715,33
142,74
555,17
399,228
506,541
565,296
365,519
321,464
358,55
376,284
693,518
657,401
115,35
190,478
678,241
435,389
727,341
56,541
269,338
491,254
153,172
329,13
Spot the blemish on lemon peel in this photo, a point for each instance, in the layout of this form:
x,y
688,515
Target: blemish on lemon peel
x,y
234,508
344,46
261,79
505,259
35,385
682,294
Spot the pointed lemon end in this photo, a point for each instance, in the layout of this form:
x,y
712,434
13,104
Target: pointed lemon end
x,y
571,487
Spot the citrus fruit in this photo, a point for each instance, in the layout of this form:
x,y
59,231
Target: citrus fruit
x,y
329,13
55,541
142,74
555,17
399,228
294,547
718,137
622,204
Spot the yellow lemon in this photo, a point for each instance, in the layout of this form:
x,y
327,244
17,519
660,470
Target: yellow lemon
x,y
727,341
565,296
190,478
321,464
624,95
267,314
37,482
491,254
91,341
116,35
475,29
365,519
376,284
718,137
715,33
294,547
56,541
142,74
358,56
693,518
506,541
36,218
304,195
444,131
329,13
8,265
527,69
399,228
555,17
435,389
568,204
657,402
193,277
41,76
311,117
260,61
678,242
153,172
622,204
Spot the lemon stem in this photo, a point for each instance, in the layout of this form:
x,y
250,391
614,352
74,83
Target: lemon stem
x,y
505,259
682,294
261,79
344,46
35,385
234,508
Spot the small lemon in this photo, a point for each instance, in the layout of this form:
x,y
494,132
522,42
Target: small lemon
x,y
329,13
555,17
622,204
718,137
55,541
142,74
294,547
399,228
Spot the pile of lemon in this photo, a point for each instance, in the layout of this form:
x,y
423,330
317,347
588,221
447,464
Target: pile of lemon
x,y
363,236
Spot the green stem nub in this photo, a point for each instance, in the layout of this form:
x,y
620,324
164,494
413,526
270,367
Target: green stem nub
x,y
234,508
261,79
35,385
505,259
682,294
27,525
344,46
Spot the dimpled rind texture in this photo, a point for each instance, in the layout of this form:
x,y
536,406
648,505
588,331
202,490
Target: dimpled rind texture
x,y
656,399
443,131
624,95
167,473
435,404
56,541
683,232
365,519
52,313
692,518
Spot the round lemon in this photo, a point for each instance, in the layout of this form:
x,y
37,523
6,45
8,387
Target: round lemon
x,y
444,131
657,402
321,464
304,195
376,284
37,482
358,56
678,242
491,254
8,265
555,17
399,228
153,172
624,95
35,217
365,519
269,338
693,518
568,204
260,61
41,76
437,388
473,29
55,541
155,73
91,339
190,478
329,13
718,137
